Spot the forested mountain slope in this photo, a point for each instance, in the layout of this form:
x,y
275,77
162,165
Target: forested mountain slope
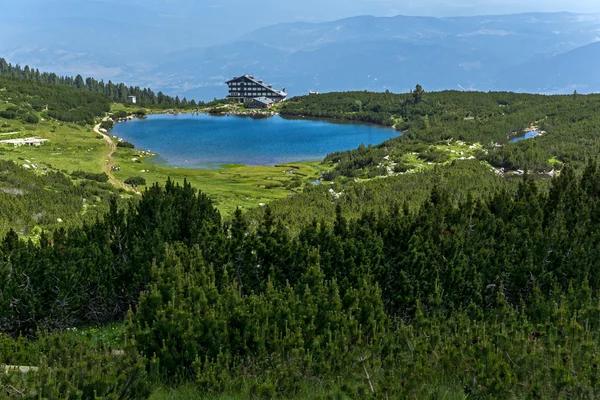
x,y
117,92
25,97
569,127
491,297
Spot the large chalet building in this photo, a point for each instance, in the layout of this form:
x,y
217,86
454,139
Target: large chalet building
x,y
247,89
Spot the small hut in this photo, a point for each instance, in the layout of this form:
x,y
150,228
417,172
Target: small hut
x,y
261,102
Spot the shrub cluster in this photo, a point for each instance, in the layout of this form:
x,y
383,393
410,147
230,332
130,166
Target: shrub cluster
x,y
492,119
101,177
108,125
136,180
125,145
486,298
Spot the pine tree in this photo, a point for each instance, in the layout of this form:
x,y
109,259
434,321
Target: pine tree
x,y
418,94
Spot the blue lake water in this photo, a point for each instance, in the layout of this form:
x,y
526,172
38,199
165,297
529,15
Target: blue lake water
x,y
205,141
525,136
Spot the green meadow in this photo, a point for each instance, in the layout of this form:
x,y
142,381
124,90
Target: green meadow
x,y
74,147
231,186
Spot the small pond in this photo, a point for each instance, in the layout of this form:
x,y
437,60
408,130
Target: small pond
x,y
524,136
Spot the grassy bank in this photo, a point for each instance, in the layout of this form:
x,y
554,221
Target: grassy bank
x,y
74,147
230,186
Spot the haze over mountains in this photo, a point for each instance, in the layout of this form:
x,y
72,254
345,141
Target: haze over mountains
x,y
534,52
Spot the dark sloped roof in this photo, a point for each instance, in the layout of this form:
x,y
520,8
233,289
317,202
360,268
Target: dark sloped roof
x,y
258,82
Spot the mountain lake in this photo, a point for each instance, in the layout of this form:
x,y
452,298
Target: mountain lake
x,y
205,141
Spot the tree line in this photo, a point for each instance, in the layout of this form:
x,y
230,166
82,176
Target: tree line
x,y
569,124
28,99
117,92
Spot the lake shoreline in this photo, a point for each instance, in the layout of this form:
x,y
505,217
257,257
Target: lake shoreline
x,y
204,141
237,111
155,158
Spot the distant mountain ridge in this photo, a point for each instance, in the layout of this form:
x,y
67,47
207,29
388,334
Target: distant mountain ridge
x,y
561,73
395,53
371,53
299,35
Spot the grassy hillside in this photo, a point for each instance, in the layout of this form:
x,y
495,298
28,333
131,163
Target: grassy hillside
x,y
66,124
30,203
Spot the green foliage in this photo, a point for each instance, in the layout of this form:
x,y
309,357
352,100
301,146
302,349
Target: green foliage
x,y
493,296
353,106
491,119
108,125
236,331
126,145
71,365
25,113
101,177
8,114
30,202
93,274
418,94
31,118
450,282
117,92
120,114
135,180
65,103
458,181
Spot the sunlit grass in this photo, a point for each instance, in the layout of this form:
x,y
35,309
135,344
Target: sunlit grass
x,y
230,186
73,147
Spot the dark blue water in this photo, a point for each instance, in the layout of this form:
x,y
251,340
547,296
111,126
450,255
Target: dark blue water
x,y
525,136
204,141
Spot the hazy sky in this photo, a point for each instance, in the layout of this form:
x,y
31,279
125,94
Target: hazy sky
x,y
80,25
229,18
272,11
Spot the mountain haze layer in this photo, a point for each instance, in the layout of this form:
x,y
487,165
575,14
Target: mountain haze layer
x,y
561,73
395,53
538,52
